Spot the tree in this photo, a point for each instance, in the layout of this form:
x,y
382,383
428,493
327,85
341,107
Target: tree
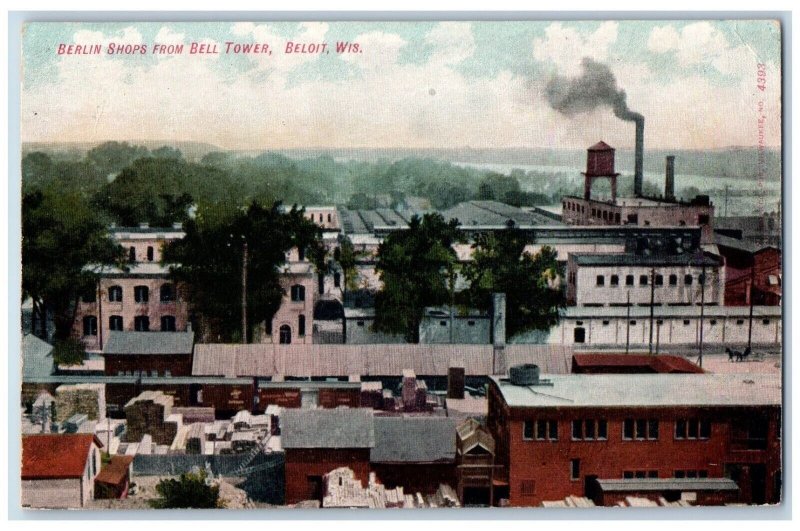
x,y
61,236
111,157
209,261
530,282
413,265
192,490
346,256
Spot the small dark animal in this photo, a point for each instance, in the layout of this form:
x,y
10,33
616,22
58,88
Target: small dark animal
x,y
731,353
746,353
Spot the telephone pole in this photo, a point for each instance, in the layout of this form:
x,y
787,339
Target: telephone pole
x,y
750,296
628,324
652,305
244,291
702,310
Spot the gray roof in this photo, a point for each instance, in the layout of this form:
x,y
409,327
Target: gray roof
x,y
495,214
659,484
665,312
414,440
149,343
37,358
628,259
735,243
327,428
645,390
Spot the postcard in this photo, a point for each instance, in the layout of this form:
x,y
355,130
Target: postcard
x,y
430,264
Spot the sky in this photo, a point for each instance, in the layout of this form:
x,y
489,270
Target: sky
x,y
413,84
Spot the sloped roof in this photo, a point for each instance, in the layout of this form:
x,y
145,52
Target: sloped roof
x,y
327,428
600,146
37,357
56,456
414,440
149,343
472,433
115,471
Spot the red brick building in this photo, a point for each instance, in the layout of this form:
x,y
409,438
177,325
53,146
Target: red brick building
x,y
747,264
317,441
563,436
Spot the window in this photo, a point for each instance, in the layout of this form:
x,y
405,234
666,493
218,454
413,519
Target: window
x,y
167,293
765,321
301,325
642,280
673,280
580,335
329,218
141,294
615,280
167,323
629,280
659,280
575,469
337,279
606,323
470,323
688,279
301,252
701,279
149,253
541,430
712,322
633,323
141,323
686,322
285,335
640,429
527,430
132,254
702,219
115,322
601,280
639,474
589,430
442,323
115,294
298,293
90,325
680,474
527,487
692,429
739,322
359,323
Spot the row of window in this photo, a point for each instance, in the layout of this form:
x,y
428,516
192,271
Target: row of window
x,y
167,373
132,254
632,429
644,280
141,323
141,294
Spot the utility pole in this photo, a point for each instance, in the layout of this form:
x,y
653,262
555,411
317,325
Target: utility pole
x,y
628,324
750,296
652,305
702,310
244,291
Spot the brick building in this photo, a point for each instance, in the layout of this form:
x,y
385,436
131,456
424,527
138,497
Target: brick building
x,y
749,265
565,434
317,441
149,354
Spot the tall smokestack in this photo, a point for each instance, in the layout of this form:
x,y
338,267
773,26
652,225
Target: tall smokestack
x,y
669,181
638,165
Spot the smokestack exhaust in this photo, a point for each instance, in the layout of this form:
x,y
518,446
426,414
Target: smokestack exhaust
x,y
669,181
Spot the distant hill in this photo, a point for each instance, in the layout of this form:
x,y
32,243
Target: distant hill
x,y
192,151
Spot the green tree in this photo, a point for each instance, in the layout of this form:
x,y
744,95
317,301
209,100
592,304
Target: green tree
x,y
192,490
61,236
111,157
413,265
530,282
209,261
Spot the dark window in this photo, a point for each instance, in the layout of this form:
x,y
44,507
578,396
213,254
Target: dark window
x,y
602,429
652,429
628,474
301,252
601,280
659,280
580,335
642,280
90,325
285,335
629,280
606,323
616,218
705,429
301,325
692,429
546,430
686,322
552,427
115,294
115,322
527,430
141,323
701,279
765,321
337,279
712,322
167,323
575,469
141,294
633,323
740,322
640,429
298,293
615,280
149,253
688,279
702,219
329,218
627,429
576,429
589,429
132,254
673,280
167,293
471,323
442,323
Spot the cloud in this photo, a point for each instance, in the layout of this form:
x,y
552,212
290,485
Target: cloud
x,y
382,50
565,47
452,42
166,36
696,44
129,35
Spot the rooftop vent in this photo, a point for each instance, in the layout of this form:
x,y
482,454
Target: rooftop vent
x,y
527,374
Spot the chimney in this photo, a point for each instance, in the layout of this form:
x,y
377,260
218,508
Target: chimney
x,y
638,167
669,183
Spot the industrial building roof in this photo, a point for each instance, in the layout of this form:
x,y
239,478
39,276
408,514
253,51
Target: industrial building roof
x,y
660,484
414,440
56,456
473,214
37,357
377,360
664,312
628,259
149,343
138,269
327,428
663,363
645,390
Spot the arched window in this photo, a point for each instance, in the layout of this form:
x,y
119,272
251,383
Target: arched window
x,y
285,335
141,323
329,218
90,325
167,293
115,323
298,293
337,280
301,325
167,323
141,293
132,254
150,253
115,294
